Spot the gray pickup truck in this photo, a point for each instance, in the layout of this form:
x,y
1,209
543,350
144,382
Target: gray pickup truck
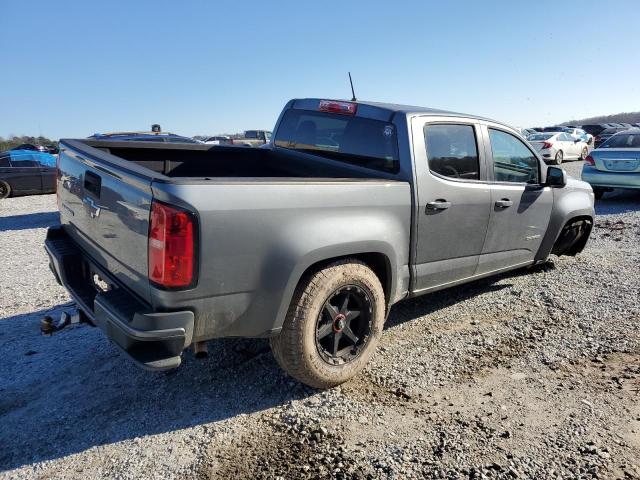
x,y
353,207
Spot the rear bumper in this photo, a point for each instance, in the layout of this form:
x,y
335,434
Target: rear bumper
x,y
154,340
598,178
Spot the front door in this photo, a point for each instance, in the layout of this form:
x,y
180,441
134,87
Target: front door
x,y
453,201
520,204
25,172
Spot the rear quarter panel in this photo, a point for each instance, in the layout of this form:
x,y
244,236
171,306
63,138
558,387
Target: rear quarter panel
x,y
258,237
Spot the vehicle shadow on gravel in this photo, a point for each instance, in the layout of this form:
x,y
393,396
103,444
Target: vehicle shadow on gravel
x,y
29,221
66,394
432,302
617,202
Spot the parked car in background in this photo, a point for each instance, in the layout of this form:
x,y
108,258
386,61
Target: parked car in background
x,y
555,147
158,137
615,164
525,132
353,207
594,129
557,128
31,146
219,140
605,134
579,133
254,138
25,172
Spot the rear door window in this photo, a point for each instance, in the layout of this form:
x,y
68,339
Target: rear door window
x,y
22,160
512,160
452,151
46,160
350,139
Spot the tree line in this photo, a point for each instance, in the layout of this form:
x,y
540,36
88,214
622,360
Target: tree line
x,y
630,117
14,141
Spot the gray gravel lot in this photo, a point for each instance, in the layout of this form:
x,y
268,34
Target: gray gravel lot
x,y
533,374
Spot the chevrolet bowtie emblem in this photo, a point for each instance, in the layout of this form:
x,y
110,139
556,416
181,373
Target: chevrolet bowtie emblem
x,y
94,210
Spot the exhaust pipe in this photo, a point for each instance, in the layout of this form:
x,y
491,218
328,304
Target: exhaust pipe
x,y
200,349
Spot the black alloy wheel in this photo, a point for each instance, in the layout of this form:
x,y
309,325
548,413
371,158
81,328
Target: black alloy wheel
x,y
344,325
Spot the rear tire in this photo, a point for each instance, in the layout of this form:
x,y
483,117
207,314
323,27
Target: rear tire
x,y
5,190
559,157
584,153
312,323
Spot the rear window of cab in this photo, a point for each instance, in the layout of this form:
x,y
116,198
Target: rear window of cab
x,y
345,138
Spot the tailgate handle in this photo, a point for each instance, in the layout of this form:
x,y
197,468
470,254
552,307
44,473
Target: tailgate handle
x,y
92,183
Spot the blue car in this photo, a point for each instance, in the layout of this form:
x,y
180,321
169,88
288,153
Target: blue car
x,y
614,164
25,172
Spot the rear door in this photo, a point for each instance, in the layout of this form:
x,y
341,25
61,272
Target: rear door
x,y
105,204
47,164
520,204
453,200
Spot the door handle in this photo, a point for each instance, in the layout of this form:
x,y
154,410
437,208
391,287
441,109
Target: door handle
x,y
439,204
504,203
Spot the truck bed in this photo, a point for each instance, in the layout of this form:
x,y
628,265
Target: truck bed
x,y
198,161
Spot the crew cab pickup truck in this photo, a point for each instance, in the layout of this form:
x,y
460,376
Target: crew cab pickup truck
x,y
353,207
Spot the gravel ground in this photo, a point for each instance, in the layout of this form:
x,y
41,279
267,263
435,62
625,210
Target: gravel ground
x,y
533,374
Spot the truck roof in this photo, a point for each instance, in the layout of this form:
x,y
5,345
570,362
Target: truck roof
x,y
396,108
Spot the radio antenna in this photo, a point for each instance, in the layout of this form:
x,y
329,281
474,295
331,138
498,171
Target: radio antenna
x,y
353,93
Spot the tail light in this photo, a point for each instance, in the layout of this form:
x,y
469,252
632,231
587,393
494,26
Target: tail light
x,y
546,145
346,108
171,247
589,161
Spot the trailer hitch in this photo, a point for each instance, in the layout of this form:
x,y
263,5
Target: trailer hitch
x,y
48,326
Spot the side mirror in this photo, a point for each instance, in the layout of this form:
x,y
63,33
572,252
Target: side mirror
x,y
556,177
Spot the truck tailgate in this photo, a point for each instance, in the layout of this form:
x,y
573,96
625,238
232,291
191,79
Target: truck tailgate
x,y
105,209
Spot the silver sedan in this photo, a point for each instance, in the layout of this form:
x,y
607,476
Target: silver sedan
x,y
614,164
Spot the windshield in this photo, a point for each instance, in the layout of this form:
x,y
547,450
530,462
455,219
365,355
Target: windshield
x,y
355,140
539,137
623,140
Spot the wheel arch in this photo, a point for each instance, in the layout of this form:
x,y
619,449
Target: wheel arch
x,y
382,261
568,207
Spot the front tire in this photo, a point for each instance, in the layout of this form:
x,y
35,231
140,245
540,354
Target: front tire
x,y
333,325
559,157
5,190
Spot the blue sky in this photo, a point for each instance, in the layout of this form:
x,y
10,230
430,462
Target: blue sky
x,y
72,68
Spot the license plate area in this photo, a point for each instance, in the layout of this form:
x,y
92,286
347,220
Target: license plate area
x,y
98,280
621,165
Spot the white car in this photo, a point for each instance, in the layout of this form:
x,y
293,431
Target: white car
x,y
219,140
554,147
579,133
